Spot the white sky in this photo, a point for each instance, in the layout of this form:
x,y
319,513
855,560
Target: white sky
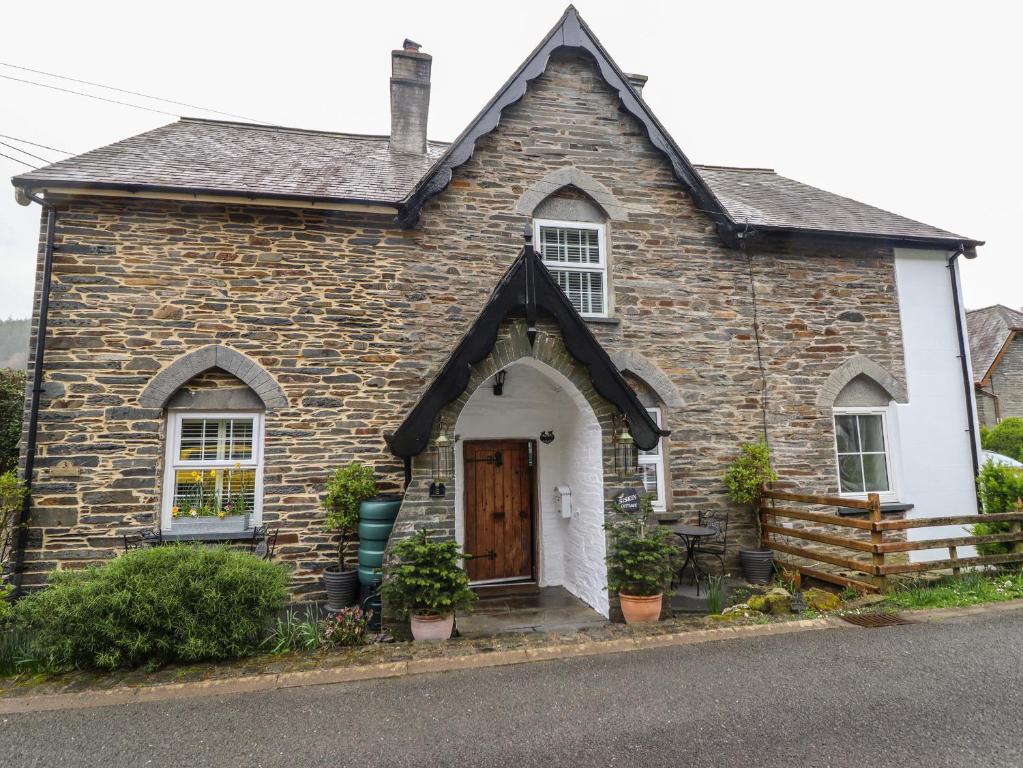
x,y
910,106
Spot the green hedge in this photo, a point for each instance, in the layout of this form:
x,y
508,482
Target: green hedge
x,y
153,606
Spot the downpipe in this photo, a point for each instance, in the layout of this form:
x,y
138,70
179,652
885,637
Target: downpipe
x,y
21,542
963,359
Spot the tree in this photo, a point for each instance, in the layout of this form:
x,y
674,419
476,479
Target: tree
x,y
1005,438
12,407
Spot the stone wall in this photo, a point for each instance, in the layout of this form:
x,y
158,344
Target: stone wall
x,y
352,317
1007,381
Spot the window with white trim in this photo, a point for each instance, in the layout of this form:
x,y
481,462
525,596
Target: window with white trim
x,y
863,445
651,467
214,468
576,254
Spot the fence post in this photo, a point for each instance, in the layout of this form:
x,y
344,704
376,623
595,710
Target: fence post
x,y
1016,526
877,539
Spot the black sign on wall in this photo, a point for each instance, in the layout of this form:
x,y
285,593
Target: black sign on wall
x,y
628,500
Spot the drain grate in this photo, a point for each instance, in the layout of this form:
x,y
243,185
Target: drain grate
x,y
873,620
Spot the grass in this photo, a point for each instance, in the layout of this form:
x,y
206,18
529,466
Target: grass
x,y
955,591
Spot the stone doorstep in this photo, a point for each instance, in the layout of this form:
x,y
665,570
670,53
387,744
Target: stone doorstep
x,y
475,660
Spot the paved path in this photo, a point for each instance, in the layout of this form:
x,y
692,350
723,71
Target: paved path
x,y
936,694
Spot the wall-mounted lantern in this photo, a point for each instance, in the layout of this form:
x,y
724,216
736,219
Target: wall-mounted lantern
x,y
499,383
443,462
626,453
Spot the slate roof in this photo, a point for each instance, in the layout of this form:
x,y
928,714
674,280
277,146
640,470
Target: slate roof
x,y
238,158
214,156
767,200
989,328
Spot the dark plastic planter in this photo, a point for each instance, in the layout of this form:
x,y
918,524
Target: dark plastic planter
x,y
342,588
757,565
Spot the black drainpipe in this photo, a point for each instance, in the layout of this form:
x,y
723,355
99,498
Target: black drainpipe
x,y
964,360
37,389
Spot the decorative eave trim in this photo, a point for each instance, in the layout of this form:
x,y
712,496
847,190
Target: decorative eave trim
x,y
986,379
570,32
526,288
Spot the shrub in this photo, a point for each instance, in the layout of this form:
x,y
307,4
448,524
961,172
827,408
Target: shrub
x,y
426,578
1001,490
12,411
347,627
12,495
750,470
153,606
1005,438
347,488
641,554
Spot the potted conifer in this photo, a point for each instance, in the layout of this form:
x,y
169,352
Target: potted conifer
x,y
639,562
744,479
427,584
347,488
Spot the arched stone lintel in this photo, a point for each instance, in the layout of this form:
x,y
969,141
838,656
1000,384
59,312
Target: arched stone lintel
x,y
181,371
860,365
540,190
656,379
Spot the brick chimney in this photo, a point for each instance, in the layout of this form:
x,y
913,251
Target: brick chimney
x,y
410,98
637,81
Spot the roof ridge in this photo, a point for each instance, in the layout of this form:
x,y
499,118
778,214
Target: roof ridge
x,y
271,128
755,169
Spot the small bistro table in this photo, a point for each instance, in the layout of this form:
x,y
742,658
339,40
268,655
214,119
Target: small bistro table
x,y
691,535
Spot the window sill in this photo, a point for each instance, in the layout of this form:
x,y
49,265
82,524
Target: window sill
x,y
887,508
233,535
603,320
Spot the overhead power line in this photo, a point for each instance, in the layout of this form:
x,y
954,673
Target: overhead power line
x,y
131,93
34,144
17,160
89,96
24,152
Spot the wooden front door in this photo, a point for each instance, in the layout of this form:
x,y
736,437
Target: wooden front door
x,y
499,506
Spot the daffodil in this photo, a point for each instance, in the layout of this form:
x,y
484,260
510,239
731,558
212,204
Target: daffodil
x,y
221,514
174,511
193,512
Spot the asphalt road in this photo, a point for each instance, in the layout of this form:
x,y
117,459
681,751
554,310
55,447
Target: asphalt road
x,y
944,694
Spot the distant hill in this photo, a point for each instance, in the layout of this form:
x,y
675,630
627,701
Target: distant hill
x,y
14,343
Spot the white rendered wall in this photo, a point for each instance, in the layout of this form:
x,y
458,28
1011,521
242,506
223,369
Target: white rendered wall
x,y
537,398
934,469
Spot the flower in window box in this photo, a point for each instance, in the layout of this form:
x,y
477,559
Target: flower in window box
x,y
221,514
174,511
193,512
213,474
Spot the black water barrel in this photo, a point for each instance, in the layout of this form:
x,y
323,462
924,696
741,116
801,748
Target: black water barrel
x,y
376,520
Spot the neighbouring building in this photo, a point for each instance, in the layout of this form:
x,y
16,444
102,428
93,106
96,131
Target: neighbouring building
x,y
236,309
996,353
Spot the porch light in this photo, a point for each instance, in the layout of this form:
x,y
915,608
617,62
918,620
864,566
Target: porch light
x,y
443,462
626,454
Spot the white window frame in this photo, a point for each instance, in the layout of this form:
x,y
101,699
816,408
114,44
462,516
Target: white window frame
x,y
559,266
890,437
657,460
172,463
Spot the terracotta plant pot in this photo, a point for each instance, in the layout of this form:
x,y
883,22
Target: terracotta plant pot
x,y
640,610
432,627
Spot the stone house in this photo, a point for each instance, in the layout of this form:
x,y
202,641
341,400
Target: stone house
x,y
263,304
996,352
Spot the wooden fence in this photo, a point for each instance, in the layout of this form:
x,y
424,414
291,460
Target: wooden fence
x,y
877,568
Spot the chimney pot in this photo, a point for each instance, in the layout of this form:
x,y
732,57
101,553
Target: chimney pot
x,y
410,97
636,81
